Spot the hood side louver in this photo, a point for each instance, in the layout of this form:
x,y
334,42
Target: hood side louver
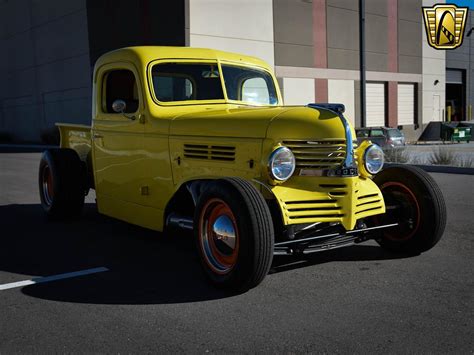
x,y
209,152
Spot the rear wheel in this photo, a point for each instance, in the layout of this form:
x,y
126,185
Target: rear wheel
x,y
61,183
416,203
234,234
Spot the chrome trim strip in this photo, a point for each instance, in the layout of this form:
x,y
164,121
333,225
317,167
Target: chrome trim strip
x,y
338,109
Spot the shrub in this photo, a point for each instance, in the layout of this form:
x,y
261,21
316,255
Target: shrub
x,y
415,159
442,156
396,155
466,162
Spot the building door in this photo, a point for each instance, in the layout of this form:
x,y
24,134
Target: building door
x,y
455,94
376,106
406,104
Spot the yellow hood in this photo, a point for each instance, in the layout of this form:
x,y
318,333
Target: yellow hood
x,y
296,122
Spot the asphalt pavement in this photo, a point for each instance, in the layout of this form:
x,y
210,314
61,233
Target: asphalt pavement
x,y
154,297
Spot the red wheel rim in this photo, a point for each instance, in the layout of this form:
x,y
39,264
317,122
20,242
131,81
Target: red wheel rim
x,y
410,216
218,236
47,181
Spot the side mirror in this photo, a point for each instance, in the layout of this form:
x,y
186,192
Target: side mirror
x,y
119,106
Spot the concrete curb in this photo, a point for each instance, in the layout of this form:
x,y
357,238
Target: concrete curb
x,y
24,148
440,168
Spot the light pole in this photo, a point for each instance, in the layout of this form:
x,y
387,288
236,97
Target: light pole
x,y
468,79
363,108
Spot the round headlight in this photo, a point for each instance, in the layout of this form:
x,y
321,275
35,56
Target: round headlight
x,y
281,164
373,159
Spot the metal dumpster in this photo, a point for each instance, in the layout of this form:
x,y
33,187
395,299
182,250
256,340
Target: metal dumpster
x,y
454,132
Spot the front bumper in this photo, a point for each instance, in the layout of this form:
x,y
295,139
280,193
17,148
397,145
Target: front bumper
x,y
304,199
328,238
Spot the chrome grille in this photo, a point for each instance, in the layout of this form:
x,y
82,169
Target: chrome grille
x,y
319,154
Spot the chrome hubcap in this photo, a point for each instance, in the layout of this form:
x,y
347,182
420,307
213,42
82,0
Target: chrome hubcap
x,y
218,235
224,235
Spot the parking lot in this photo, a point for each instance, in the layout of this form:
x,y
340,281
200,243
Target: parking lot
x,y
150,294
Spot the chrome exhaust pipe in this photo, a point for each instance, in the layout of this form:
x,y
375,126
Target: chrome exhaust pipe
x,y
177,221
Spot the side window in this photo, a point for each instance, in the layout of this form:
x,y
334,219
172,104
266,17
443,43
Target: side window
x,y
121,85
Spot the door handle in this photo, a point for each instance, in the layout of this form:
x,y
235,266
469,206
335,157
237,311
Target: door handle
x,y
131,117
140,116
97,135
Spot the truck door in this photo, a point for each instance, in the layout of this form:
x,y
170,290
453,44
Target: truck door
x,y
118,136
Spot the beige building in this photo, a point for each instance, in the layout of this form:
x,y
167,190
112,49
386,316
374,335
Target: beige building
x,y
312,44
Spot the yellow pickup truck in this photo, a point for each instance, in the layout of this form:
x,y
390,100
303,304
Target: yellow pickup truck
x,y
199,139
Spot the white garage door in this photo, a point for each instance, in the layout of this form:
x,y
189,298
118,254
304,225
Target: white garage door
x,y
406,104
375,104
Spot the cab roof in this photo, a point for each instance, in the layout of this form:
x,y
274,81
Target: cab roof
x,y
146,54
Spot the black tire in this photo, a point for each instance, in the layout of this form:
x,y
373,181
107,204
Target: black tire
x,y
62,183
415,201
246,264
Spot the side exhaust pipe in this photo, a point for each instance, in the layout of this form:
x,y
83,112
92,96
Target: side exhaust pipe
x,y
177,221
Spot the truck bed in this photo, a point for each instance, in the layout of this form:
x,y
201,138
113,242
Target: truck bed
x,y
77,137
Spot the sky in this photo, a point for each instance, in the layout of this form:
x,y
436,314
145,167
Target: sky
x,y
468,3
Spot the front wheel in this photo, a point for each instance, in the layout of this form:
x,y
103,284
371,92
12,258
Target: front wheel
x,y
234,234
416,203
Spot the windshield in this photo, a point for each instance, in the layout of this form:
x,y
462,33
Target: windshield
x,y
175,82
184,82
394,133
249,85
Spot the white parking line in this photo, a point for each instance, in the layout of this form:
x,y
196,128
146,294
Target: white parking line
x,y
40,280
